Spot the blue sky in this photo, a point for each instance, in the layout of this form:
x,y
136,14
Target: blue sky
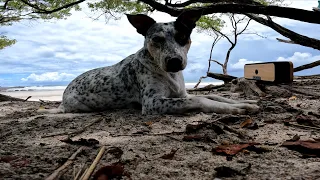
x,y
55,52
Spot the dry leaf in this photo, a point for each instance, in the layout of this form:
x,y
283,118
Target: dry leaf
x,y
112,171
149,123
232,149
308,147
246,123
170,155
292,98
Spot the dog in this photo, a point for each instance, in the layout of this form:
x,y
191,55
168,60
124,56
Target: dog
x,y
151,78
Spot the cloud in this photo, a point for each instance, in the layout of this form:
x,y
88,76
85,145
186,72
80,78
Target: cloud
x,y
299,58
240,64
49,77
79,43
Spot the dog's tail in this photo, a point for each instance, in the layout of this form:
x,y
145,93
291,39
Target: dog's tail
x,y
58,110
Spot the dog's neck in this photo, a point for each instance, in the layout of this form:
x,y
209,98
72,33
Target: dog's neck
x,y
175,80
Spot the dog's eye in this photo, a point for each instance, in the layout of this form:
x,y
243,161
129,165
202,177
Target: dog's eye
x,y
158,39
181,39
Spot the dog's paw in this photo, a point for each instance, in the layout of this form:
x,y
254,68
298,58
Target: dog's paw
x,y
247,108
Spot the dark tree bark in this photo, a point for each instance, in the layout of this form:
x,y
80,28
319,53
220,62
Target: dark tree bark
x,y
307,66
240,8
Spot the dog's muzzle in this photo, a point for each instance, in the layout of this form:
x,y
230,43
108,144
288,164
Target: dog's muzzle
x,y
174,64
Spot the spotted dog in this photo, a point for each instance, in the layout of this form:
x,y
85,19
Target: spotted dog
x,y
151,78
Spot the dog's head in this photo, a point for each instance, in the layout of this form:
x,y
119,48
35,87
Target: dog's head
x,y
167,43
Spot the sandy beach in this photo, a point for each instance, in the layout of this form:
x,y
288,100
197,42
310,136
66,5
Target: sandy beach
x,y
164,147
53,94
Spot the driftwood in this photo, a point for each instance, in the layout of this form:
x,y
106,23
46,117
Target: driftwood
x,y
223,77
9,98
207,88
248,87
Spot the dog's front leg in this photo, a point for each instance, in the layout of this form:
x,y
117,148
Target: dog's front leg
x,y
226,100
162,105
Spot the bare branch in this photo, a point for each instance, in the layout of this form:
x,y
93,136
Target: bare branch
x,y
244,27
293,36
217,62
44,11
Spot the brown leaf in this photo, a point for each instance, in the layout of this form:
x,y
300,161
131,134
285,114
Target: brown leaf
x,y
307,147
232,149
170,155
246,123
112,171
149,123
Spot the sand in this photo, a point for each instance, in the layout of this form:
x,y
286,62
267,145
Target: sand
x,y
26,152
48,95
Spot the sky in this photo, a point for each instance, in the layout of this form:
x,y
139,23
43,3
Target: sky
x,y
55,52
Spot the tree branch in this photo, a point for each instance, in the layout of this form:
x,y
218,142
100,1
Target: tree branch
x,y
307,66
295,37
284,12
286,41
44,11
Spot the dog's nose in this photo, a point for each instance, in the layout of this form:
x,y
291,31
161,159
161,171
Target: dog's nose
x,y
174,64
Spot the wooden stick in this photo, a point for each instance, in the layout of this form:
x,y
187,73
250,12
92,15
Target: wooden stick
x,y
302,126
85,172
61,170
94,164
80,171
73,133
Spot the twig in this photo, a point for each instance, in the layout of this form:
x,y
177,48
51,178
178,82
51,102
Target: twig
x,y
80,171
85,172
159,134
61,170
94,164
75,132
301,126
27,98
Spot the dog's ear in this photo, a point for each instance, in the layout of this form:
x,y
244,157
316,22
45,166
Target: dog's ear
x,y
141,22
188,19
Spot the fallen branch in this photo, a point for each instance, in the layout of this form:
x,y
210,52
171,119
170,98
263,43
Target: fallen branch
x,y
301,126
73,133
61,170
223,77
207,88
8,98
307,66
94,164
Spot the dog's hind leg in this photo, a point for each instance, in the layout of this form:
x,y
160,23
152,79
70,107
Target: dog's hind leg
x,y
161,105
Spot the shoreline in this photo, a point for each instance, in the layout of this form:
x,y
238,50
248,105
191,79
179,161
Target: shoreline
x,y
54,93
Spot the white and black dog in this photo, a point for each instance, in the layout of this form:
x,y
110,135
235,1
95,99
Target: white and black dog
x,y
151,78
